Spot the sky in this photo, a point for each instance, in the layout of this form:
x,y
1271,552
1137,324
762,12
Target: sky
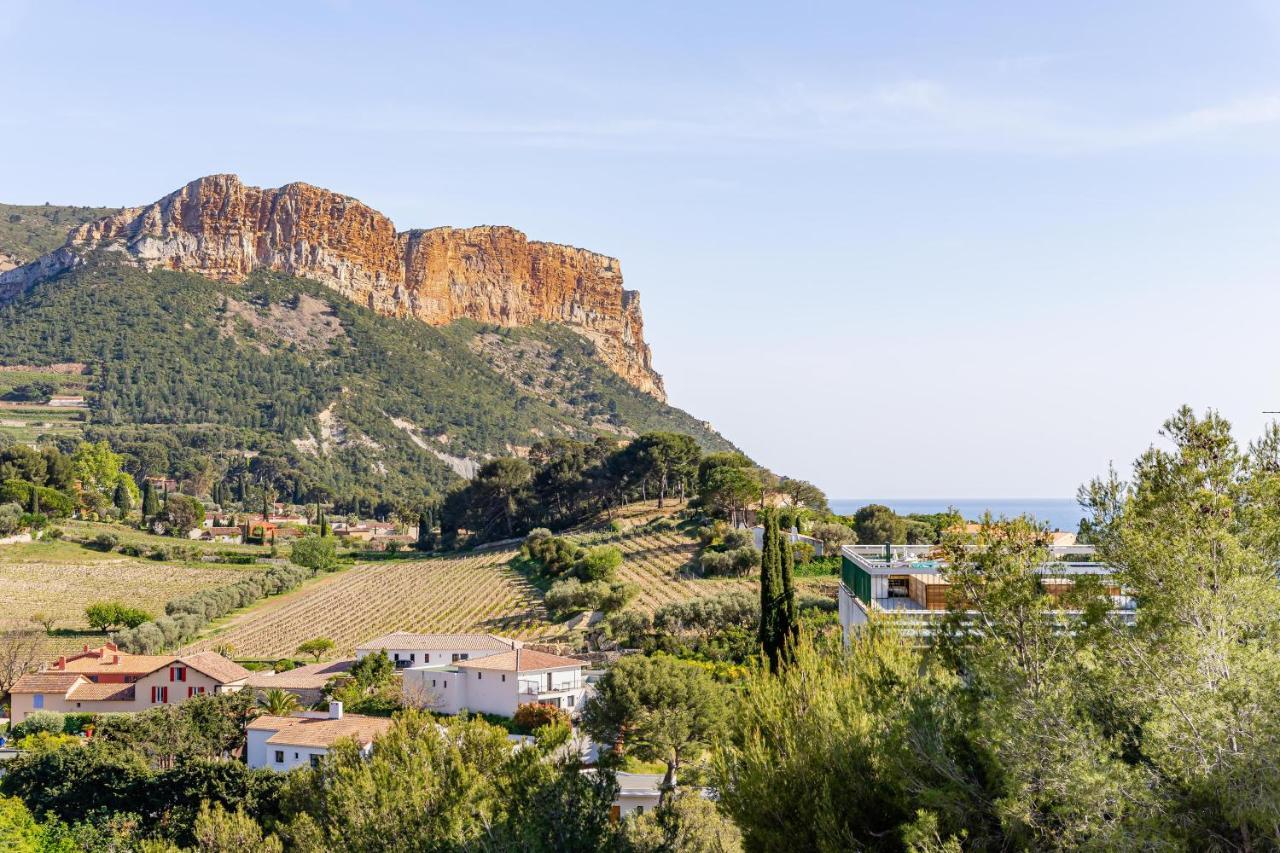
x,y
897,249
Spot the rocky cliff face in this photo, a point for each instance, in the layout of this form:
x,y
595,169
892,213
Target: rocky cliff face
x,y
220,228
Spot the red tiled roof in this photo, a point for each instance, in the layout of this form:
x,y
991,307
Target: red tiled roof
x,y
90,692
320,731
430,642
520,660
46,682
215,666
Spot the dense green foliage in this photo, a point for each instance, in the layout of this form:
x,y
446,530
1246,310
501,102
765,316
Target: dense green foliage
x,y
187,374
28,231
1032,727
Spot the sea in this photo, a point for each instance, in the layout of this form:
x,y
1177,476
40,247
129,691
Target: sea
x,y
1060,513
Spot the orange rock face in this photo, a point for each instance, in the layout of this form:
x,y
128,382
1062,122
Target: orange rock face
x,y
218,227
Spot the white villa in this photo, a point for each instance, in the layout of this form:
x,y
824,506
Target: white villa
x,y
407,649
283,743
497,683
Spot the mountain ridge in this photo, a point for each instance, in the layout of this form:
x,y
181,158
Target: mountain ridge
x,y
223,229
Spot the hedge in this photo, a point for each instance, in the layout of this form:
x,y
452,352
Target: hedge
x,y
185,617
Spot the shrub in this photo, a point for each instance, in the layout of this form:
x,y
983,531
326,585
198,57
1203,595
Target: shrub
x,y
534,715
316,553
51,722
105,541
132,549
738,538
802,552
10,519
554,555
744,560
598,564
283,665
714,563
105,615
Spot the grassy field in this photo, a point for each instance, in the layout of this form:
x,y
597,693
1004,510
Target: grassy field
x,y
60,578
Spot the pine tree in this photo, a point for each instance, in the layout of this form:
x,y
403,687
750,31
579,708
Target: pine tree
x,y
121,498
771,592
150,503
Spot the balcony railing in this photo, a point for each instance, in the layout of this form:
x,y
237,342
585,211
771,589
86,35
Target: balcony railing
x,y
540,688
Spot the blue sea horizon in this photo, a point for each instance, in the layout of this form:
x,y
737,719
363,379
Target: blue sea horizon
x,y
1059,513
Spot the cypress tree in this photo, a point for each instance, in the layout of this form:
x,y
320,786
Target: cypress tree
x,y
789,618
150,504
424,530
771,593
266,514
121,498
33,506
324,525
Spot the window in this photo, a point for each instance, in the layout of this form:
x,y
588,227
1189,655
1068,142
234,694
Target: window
x,y
177,673
413,657
159,694
479,675
433,682
279,756
504,676
315,760
457,656
446,685
569,699
639,809
427,657
37,701
194,691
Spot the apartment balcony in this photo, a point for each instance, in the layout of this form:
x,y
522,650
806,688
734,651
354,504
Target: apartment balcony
x,y
533,690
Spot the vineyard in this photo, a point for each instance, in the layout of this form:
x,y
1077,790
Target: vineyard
x,y
473,592
658,563
470,593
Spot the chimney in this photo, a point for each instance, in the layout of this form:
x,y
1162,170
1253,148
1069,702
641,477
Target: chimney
x,y
62,662
86,648
115,659
112,646
335,709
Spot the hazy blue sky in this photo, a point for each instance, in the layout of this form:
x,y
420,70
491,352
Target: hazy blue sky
x,y
929,249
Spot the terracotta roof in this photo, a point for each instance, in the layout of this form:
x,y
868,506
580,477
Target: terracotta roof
x,y
527,659
320,731
215,666
90,692
100,660
430,642
46,682
311,676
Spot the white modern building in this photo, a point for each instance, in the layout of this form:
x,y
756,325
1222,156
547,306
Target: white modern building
x,y
497,683
283,743
407,649
907,584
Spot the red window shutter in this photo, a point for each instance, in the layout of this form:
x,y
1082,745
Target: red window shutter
x,y
172,673
153,693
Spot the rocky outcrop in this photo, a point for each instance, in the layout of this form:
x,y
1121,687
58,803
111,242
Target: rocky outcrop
x,y
220,228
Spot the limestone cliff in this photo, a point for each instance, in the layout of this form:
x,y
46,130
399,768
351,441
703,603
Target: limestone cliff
x,y
220,228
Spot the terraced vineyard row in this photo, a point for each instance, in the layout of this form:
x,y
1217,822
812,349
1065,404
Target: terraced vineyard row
x,y
658,564
477,592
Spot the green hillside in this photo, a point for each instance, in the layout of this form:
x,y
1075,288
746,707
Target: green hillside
x,y
186,375
28,231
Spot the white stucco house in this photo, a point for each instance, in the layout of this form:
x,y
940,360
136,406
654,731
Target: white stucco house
x,y
407,649
283,743
497,683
